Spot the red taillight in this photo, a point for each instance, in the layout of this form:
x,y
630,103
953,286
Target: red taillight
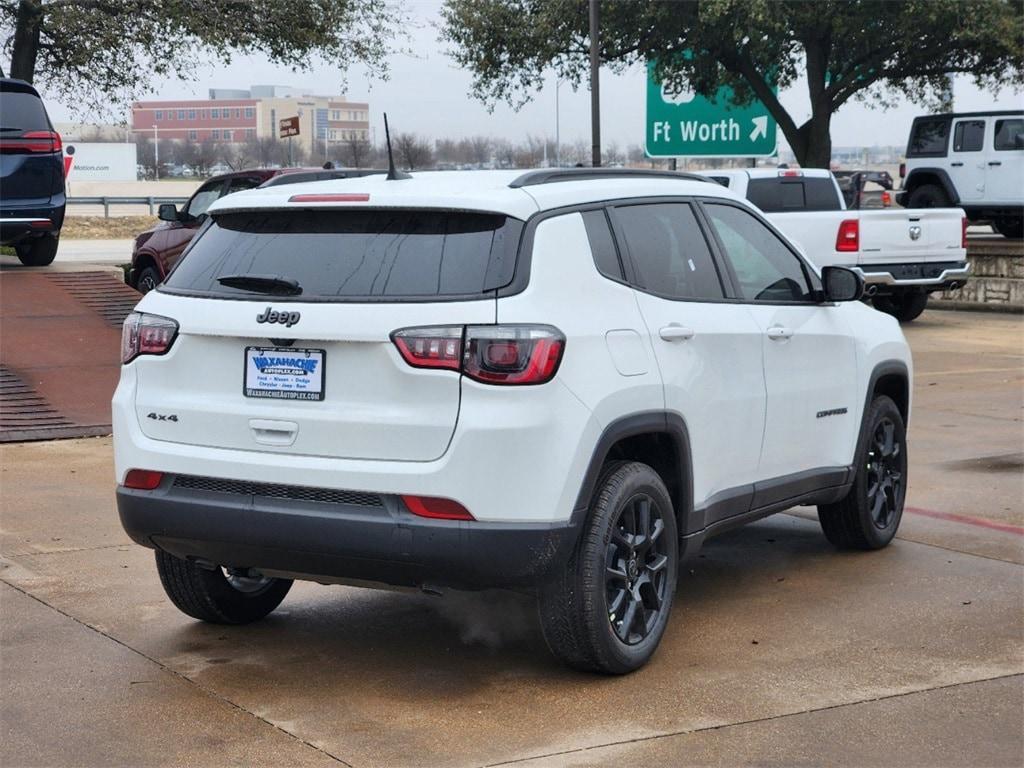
x,y
144,334
338,197
143,479
41,224
439,347
33,141
848,237
512,354
790,173
492,354
903,170
439,509
963,232
886,199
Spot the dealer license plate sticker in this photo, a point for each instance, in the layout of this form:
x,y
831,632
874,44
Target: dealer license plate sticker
x,y
284,373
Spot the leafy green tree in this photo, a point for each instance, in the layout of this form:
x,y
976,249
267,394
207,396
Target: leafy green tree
x,y
97,52
870,50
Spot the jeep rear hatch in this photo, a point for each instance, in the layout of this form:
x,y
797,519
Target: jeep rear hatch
x,y
285,322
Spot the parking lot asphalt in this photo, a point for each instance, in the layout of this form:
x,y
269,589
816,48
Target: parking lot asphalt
x,y
780,650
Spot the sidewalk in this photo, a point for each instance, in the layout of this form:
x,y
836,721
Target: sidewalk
x,y
94,251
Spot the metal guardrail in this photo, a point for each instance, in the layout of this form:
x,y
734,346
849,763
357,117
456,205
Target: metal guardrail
x,y
107,201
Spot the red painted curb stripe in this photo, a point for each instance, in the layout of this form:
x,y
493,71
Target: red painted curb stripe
x,y
968,520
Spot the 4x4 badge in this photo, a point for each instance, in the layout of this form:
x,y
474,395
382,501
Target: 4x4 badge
x,y
287,319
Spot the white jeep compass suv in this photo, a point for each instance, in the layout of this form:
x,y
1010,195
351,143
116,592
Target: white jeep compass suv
x,y
555,381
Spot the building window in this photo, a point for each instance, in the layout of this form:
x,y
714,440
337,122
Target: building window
x,y
227,135
159,115
202,114
335,114
191,114
250,133
193,135
215,113
215,133
225,114
181,114
250,112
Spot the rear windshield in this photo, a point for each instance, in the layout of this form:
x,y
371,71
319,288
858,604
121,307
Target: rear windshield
x,y
353,255
20,111
793,194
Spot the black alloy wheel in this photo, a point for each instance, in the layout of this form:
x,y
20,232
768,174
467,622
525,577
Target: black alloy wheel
x,y
636,574
885,474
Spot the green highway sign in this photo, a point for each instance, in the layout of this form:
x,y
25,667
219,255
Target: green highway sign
x,y
689,125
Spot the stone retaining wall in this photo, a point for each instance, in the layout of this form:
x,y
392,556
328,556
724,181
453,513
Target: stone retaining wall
x,y
997,278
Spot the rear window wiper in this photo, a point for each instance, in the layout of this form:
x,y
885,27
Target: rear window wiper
x,y
272,284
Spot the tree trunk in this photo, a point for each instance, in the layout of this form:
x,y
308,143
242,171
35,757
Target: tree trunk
x,y
25,48
812,141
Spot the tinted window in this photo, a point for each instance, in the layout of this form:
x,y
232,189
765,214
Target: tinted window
x,y
355,254
242,183
606,255
669,251
765,268
22,112
789,194
929,138
1009,134
968,135
204,198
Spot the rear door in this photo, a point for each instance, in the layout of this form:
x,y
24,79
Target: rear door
x,y
317,373
708,350
1005,162
810,362
967,160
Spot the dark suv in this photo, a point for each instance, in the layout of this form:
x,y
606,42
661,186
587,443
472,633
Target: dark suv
x,y
158,249
31,175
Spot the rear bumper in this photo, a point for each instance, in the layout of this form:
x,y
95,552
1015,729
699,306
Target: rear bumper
x,y
933,277
18,223
383,543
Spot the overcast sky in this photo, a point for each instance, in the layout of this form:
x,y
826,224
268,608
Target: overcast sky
x,y
430,95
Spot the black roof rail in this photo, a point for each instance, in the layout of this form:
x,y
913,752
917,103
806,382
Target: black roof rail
x,y
555,175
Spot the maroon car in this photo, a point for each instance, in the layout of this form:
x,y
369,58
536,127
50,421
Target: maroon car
x,y
158,249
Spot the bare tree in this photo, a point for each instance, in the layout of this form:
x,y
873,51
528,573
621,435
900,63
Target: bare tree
x,y
413,152
481,148
357,151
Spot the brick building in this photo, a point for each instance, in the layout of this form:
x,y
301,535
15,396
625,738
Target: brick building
x,y
233,115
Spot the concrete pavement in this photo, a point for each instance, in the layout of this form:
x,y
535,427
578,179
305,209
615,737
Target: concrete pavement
x,y
780,650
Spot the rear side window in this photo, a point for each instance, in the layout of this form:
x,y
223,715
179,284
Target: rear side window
x,y
602,245
21,111
669,252
789,194
929,138
969,136
1009,134
354,255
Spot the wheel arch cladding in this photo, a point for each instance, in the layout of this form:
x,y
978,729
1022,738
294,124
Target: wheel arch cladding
x,y
656,438
891,379
938,176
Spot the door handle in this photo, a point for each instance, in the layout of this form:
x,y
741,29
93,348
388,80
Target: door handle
x,y
273,432
778,333
676,332
957,165
995,162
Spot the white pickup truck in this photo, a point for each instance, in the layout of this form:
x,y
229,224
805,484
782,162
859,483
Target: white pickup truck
x,y
903,255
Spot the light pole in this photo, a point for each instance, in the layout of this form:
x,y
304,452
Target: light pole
x,y
595,95
558,132
156,151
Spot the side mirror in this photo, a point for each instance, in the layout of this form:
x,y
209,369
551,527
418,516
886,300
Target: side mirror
x,y
841,284
167,212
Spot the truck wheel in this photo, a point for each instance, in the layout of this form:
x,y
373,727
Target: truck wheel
x,y
870,514
1010,228
148,280
905,307
608,607
38,252
928,196
219,596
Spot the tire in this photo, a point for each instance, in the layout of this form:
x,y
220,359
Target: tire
x,y
905,307
1012,229
38,252
216,596
607,608
149,279
871,512
928,196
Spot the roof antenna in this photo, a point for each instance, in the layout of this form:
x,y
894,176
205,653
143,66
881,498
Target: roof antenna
x,y
393,174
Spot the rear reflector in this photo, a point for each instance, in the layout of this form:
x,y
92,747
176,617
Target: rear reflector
x,y
349,197
41,224
439,509
143,479
848,237
963,232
